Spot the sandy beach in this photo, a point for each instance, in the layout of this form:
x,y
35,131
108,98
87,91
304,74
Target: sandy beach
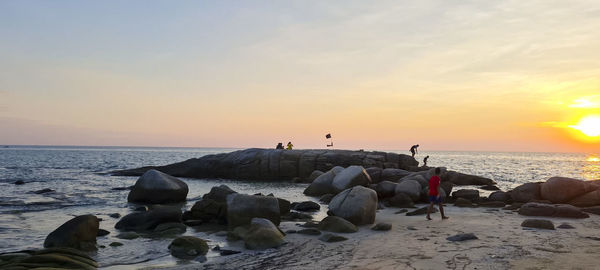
x,y
414,243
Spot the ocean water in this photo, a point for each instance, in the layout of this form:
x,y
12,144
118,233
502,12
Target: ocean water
x,y
76,176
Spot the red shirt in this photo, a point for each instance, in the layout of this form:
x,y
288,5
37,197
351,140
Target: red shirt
x,y
434,183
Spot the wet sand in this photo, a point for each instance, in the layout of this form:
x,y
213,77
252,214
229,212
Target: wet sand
x,y
414,243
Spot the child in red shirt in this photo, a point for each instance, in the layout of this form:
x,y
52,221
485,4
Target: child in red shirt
x,y
435,194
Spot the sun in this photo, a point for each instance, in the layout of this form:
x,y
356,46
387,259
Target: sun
x,y
589,125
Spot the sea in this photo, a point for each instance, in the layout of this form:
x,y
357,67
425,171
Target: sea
x,y
79,184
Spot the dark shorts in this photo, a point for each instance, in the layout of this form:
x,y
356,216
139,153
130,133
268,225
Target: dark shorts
x,y
435,199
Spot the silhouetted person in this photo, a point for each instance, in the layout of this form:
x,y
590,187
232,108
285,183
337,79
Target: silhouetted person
x,y
413,149
425,161
279,146
290,146
435,194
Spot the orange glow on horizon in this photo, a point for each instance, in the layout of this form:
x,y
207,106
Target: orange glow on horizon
x,y
589,126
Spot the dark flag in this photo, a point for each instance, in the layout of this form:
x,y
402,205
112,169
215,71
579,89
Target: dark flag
x,y
328,136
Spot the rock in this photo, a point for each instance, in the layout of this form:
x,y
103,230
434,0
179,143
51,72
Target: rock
x,y
122,188
489,187
19,182
50,258
115,244
382,227
526,192
462,202
145,221
462,179
314,176
141,209
462,237
219,193
293,215
284,206
115,215
357,205
156,188
411,188
562,189
168,229
188,247
350,177
549,210
385,189
209,210
469,194
330,238
565,225
393,175
322,184
309,231
337,224
499,196
401,200
593,210
446,186
242,208
80,233
495,204
375,174
538,224
42,191
102,232
262,234
128,235
421,211
587,199
416,177
326,198
307,206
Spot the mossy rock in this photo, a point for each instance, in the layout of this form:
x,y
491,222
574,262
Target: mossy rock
x,y
188,247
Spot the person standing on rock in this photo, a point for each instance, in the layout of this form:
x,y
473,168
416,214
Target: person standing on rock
x,y
279,146
290,146
435,194
413,149
425,161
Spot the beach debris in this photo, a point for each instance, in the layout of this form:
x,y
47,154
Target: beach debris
x,y
357,205
306,206
538,224
188,247
337,224
382,226
330,238
79,232
156,187
462,237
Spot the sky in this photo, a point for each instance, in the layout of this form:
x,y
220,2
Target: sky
x,y
447,75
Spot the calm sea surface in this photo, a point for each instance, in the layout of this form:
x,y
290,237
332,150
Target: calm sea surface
x,y
79,187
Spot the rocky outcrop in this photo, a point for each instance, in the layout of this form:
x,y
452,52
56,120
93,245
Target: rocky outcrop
x,y
188,247
411,188
156,187
242,208
350,177
551,210
526,192
275,164
587,199
49,258
466,179
322,184
563,189
357,205
80,233
385,189
469,194
262,234
337,224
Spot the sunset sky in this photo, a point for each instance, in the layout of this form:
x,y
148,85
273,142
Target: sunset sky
x,y
448,75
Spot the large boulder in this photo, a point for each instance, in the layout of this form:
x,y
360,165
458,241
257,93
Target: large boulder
x,y
416,177
209,210
350,177
393,175
156,188
538,224
469,194
526,192
80,233
375,174
587,199
357,205
337,224
262,234
188,247
145,221
49,258
322,184
499,196
385,189
411,188
551,210
400,200
242,208
563,189
462,179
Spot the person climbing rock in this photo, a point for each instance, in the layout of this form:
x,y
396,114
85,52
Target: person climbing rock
x,y
290,146
413,149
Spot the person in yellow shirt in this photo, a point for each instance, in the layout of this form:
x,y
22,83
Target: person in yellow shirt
x,y
290,146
